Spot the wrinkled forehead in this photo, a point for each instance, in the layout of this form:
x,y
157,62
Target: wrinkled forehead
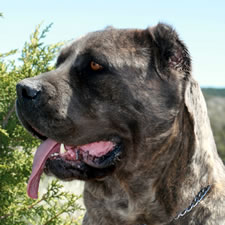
x,y
116,46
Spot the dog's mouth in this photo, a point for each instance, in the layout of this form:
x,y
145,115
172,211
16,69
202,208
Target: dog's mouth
x,y
87,160
75,162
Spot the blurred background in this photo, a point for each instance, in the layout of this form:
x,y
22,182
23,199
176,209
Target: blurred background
x,y
29,46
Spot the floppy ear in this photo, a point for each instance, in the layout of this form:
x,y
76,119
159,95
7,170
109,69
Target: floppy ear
x,y
196,106
169,52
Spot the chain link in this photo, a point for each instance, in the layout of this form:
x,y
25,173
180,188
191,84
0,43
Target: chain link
x,y
201,194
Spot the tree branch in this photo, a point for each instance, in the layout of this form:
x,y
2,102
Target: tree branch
x,y
9,114
56,216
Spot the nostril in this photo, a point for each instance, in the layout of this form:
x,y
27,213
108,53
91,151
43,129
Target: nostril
x,y
28,89
30,93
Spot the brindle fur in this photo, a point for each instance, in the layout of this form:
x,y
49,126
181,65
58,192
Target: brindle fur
x,y
147,96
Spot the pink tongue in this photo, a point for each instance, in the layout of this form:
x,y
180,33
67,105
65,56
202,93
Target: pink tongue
x,y
98,148
44,150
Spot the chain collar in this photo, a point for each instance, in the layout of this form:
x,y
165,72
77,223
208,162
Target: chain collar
x,y
201,194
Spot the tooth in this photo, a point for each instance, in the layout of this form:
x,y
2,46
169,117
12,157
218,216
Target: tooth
x,y
62,149
54,154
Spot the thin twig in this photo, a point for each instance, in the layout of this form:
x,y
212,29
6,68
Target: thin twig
x,y
57,215
31,206
9,114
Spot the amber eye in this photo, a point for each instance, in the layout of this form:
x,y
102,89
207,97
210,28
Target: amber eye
x,y
95,66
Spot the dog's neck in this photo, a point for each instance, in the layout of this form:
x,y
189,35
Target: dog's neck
x,y
171,175
184,164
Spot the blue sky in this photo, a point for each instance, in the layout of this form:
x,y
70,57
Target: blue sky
x,y
201,24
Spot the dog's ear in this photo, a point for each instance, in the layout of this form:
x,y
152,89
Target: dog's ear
x,y
168,51
196,107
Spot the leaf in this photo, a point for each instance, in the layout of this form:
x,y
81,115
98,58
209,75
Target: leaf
x,y
4,132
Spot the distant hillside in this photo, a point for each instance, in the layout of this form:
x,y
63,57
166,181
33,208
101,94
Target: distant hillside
x,y
215,100
214,92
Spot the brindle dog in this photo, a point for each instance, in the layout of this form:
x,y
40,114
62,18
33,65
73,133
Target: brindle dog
x,y
135,127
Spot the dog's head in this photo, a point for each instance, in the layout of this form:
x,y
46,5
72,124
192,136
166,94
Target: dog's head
x,y
110,91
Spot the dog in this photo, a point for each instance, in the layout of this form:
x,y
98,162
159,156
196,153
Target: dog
x,y
134,125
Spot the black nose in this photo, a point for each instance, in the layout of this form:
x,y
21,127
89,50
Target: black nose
x,y
28,90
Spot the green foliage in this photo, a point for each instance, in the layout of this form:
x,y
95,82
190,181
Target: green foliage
x,y
16,145
55,207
